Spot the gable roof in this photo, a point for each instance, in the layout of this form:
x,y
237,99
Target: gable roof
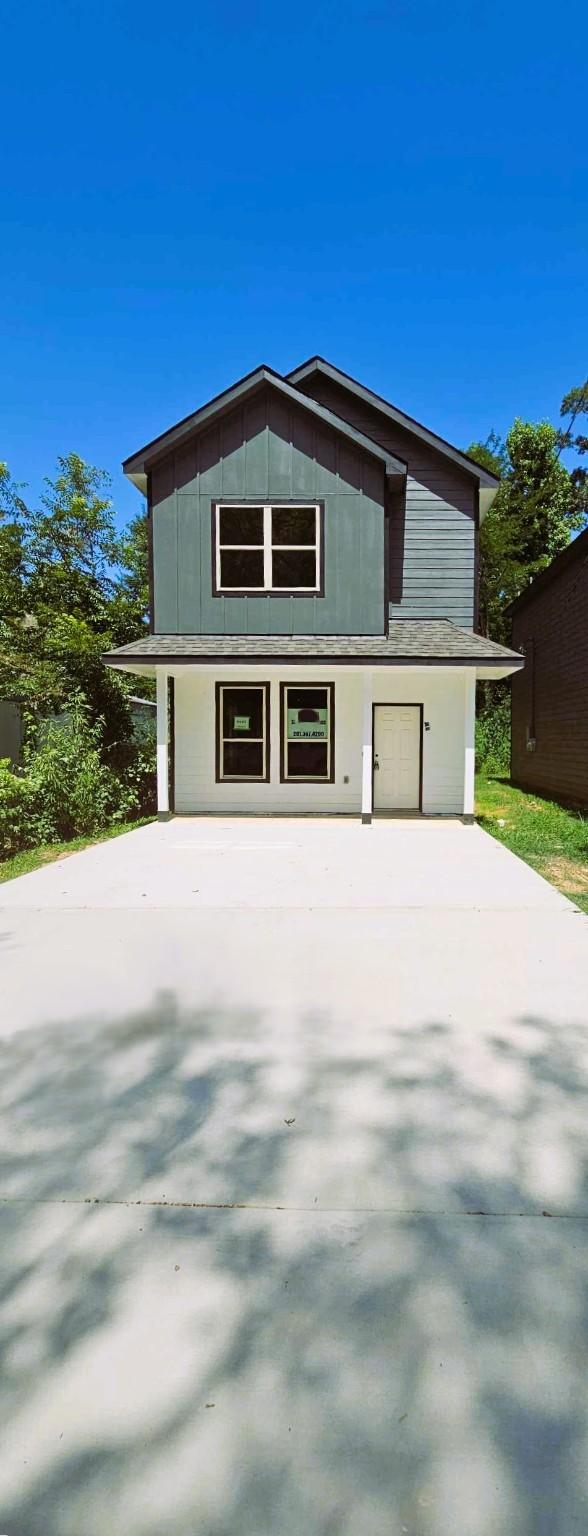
x,y
577,549
138,464
487,482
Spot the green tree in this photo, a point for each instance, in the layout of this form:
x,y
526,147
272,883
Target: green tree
x,y
129,609
13,587
71,598
71,587
532,518
574,406
71,542
13,512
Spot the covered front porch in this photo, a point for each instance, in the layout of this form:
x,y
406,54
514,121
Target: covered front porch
x,y
352,725
400,741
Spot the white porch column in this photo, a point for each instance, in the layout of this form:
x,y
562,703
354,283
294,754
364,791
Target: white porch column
x,y
469,766
162,745
367,750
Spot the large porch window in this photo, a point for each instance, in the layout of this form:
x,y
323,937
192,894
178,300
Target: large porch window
x,y
307,722
242,732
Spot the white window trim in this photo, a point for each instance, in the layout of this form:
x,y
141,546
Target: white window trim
x,y
244,778
268,548
308,778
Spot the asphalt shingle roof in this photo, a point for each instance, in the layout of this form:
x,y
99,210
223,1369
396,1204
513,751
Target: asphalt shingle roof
x,y
427,641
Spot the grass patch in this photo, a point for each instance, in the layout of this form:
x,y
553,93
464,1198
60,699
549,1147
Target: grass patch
x,y
553,840
34,858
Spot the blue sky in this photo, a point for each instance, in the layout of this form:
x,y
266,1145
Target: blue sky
x,y
191,190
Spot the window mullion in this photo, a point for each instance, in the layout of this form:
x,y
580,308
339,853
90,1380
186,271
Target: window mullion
x,y
267,547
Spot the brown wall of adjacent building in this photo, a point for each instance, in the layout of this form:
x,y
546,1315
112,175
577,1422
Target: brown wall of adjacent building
x,y
550,696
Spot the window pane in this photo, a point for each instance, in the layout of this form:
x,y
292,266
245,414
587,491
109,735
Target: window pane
x,y
293,568
242,759
307,698
241,568
307,721
241,525
308,760
293,525
242,715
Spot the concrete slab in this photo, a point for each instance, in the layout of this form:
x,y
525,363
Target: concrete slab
x,y
294,862
294,1191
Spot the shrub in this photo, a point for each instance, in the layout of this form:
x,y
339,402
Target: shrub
x,y
493,736
72,785
76,793
138,781
19,818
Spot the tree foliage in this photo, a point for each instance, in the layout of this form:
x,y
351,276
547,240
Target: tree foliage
x,y
71,587
573,407
12,559
533,516
540,504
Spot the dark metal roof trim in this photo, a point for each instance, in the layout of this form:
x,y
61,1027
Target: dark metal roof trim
x,y
113,658
144,458
320,365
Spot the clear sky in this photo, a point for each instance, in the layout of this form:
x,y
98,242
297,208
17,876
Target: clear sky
x,y
192,189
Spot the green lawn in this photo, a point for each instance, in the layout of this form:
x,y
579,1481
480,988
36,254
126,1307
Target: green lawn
x,y
553,840
33,858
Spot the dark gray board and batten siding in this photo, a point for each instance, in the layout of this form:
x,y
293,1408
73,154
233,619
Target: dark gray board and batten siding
x,y
267,450
433,547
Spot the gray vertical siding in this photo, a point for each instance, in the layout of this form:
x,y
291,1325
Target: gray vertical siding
x,y
432,539
268,450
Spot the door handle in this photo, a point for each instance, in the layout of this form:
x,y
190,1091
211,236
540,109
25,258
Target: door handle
x,y
376,764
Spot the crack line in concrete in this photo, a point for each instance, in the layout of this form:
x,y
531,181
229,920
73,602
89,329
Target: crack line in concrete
x,y
323,1210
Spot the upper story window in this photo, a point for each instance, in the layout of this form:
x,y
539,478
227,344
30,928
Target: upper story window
x,y
267,548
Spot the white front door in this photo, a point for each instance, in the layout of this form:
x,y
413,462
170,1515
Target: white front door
x,y
397,757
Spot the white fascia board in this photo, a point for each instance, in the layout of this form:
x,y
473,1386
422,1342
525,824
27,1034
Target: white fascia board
x,y
487,495
494,674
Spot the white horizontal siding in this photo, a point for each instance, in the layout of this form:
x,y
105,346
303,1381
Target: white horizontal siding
x,y
195,785
442,696
440,692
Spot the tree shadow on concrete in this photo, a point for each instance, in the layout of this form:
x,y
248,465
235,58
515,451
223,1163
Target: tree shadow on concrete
x,y
371,1357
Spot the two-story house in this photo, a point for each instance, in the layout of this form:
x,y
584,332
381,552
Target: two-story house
x,y
313,621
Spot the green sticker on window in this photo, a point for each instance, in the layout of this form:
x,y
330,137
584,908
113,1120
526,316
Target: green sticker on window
x,y
308,724
242,722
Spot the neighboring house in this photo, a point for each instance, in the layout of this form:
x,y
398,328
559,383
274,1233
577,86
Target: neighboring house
x,y
142,712
550,700
314,559
11,731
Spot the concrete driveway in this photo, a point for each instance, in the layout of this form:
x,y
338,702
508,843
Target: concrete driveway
x,y
294,1187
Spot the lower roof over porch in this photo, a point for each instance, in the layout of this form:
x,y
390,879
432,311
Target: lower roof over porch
x,y
408,643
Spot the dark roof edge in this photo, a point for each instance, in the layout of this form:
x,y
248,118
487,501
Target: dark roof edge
x,y
573,551
510,658
184,420
321,365
136,462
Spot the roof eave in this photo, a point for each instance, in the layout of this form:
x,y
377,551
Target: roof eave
x,y
501,666
409,423
137,466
